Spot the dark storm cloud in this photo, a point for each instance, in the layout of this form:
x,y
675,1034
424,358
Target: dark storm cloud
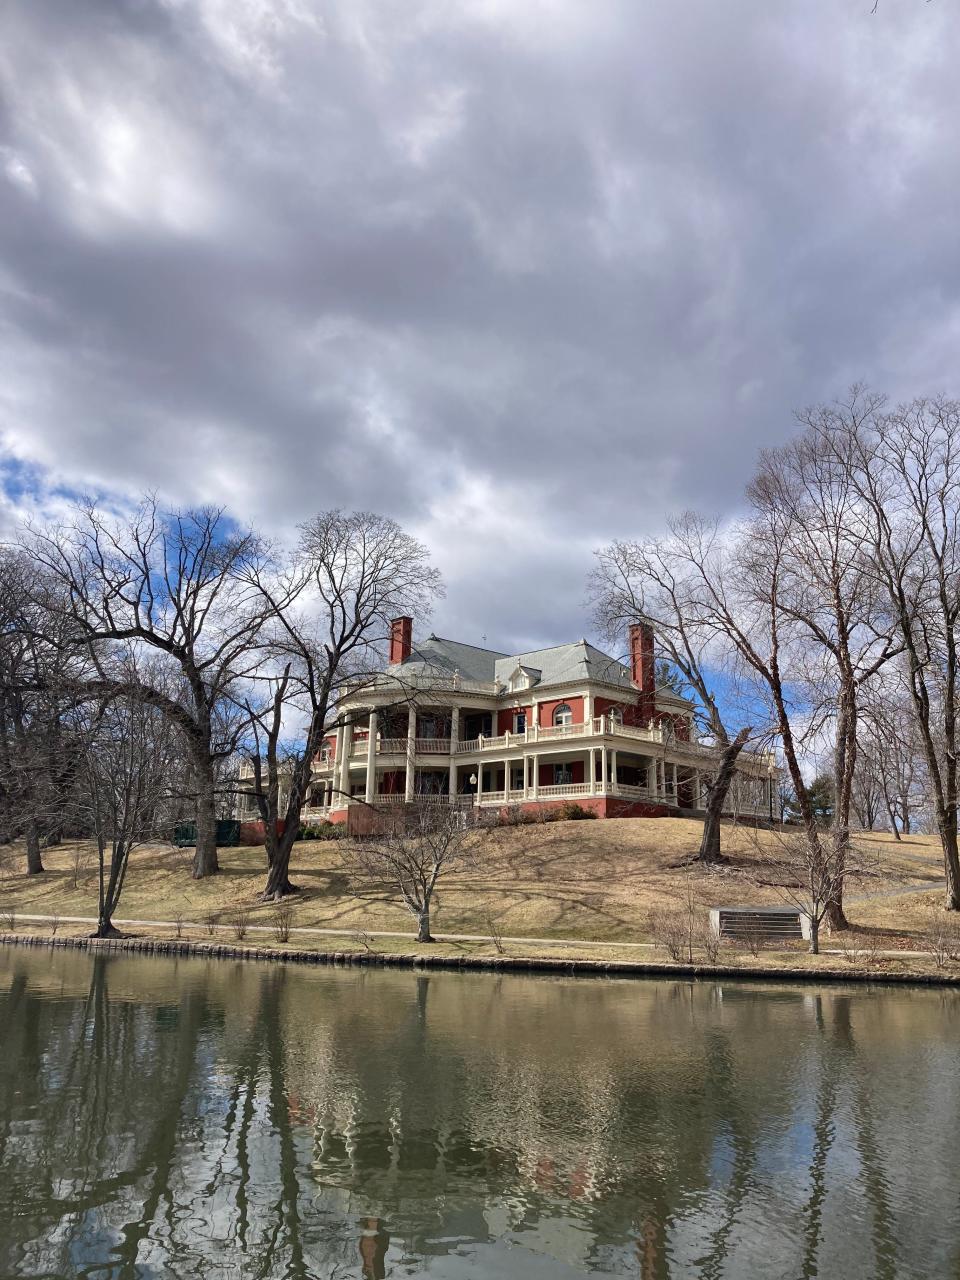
x,y
524,275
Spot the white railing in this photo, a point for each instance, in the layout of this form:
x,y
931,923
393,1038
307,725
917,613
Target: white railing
x,y
599,726
630,792
547,733
564,789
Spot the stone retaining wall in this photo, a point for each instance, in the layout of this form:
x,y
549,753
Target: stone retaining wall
x,y
499,964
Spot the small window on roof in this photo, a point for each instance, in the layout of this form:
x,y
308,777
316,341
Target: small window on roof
x,y
563,715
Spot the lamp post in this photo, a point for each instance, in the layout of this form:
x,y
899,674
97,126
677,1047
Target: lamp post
x,y
473,783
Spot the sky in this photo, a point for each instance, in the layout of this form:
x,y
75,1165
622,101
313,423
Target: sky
x,y
526,275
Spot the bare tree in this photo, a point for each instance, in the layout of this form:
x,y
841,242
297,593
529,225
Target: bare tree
x,y
812,878
128,750
891,769
808,500
653,580
734,577
350,573
37,760
177,584
906,464
425,842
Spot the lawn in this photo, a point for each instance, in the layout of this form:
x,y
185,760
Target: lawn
x,y
591,881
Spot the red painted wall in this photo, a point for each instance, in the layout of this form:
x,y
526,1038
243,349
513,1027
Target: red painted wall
x,y
632,712
548,708
256,832
505,719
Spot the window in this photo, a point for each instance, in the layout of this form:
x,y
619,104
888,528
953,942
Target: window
x,y
562,774
519,721
563,716
616,715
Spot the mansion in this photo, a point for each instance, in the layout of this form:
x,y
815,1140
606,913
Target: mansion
x,y
569,723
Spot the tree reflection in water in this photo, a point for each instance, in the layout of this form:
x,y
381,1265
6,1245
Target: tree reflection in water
x,y
184,1118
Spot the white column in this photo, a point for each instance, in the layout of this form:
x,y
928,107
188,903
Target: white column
x,y
604,774
479,781
347,744
673,771
536,777
587,708
371,791
454,739
593,771
411,752
613,769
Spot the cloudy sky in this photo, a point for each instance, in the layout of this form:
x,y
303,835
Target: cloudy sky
x,y
524,274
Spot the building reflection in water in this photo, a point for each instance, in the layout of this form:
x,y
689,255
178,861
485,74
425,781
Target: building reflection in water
x,y
216,1119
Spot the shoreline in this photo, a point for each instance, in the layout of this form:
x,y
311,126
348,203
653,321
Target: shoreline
x,y
574,967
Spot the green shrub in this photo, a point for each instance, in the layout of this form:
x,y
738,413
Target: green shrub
x,y
322,831
570,811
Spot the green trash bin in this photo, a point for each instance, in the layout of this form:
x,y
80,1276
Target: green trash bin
x,y
228,833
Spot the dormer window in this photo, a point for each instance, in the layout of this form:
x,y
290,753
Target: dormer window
x,y
522,678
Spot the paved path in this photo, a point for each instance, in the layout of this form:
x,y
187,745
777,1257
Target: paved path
x,y
338,933
899,893
440,937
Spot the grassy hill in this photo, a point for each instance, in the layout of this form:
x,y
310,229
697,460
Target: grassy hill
x,y
595,881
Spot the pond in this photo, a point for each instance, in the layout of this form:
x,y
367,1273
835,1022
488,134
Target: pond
x,y
190,1118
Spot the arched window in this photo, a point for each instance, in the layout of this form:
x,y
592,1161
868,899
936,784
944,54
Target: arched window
x,y
563,715
616,715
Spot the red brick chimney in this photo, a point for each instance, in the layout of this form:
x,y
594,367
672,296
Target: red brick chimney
x,y
642,669
401,639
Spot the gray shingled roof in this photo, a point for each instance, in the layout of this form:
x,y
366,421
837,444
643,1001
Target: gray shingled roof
x,y
435,656
567,662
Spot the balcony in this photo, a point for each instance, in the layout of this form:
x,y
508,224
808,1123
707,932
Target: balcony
x,y
548,735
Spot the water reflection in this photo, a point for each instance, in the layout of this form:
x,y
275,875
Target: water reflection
x,y
182,1118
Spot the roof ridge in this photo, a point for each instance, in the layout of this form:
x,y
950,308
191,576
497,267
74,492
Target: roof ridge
x,y
479,648
567,644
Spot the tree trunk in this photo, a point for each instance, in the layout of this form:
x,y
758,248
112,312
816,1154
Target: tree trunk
x,y
891,814
836,917
423,926
846,760
951,861
710,841
106,929
814,937
34,861
205,861
279,884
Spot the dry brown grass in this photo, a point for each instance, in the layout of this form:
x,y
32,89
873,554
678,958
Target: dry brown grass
x,y
583,880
